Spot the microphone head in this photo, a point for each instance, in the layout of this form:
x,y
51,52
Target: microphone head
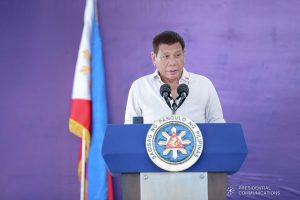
x,y
165,89
183,88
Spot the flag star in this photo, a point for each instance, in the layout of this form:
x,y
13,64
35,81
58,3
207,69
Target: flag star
x,y
85,69
86,54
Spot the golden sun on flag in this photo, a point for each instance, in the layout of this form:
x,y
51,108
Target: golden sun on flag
x,y
86,69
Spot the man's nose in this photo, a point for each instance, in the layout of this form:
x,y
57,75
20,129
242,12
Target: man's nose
x,y
172,60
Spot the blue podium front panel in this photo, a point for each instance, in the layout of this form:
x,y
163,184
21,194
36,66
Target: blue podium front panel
x,y
224,149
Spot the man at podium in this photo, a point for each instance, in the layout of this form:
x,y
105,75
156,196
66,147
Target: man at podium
x,y
159,94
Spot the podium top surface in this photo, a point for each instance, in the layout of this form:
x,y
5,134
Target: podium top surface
x,y
124,150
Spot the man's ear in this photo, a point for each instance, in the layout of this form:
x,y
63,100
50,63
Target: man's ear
x,y
153,58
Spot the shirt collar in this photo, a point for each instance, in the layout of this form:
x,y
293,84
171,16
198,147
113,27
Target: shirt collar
x,y
185,77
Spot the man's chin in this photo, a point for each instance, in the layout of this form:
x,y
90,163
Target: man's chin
x,y
173,77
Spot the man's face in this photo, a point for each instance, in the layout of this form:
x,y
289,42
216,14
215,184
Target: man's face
x,y
169,61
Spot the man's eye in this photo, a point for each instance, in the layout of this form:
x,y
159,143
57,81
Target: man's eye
x,y
178,55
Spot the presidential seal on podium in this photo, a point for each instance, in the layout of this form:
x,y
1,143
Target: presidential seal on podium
x,y
174,143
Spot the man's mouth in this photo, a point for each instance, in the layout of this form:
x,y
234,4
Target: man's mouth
x,y
173,71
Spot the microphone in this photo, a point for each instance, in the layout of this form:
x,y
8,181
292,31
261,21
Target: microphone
x,y
137,120
165,91
183,92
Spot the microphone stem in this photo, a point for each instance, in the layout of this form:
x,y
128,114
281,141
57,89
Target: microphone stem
x,y
174,107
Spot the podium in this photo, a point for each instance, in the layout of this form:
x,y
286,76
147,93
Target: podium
x,y
124,151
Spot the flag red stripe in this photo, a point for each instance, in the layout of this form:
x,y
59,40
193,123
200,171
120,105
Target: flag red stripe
x,y
81,112
110,193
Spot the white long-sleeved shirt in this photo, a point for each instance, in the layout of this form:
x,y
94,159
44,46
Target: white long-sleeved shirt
x,y
202,105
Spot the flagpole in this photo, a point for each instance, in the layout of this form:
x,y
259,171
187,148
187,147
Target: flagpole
x,y
82,165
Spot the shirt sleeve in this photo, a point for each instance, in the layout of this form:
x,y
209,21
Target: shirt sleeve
x,y
132,108
214,113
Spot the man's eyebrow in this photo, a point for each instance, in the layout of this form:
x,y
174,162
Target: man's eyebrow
x,y
179,50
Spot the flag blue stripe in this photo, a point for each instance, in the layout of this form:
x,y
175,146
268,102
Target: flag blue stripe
x,y
97,173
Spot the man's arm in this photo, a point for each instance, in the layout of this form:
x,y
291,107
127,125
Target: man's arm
x,y
213,112
132,107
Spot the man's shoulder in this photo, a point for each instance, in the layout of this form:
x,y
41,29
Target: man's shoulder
x,y
199,78
145,78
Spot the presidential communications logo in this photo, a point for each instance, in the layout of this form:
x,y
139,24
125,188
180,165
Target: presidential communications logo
x,y
174,143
